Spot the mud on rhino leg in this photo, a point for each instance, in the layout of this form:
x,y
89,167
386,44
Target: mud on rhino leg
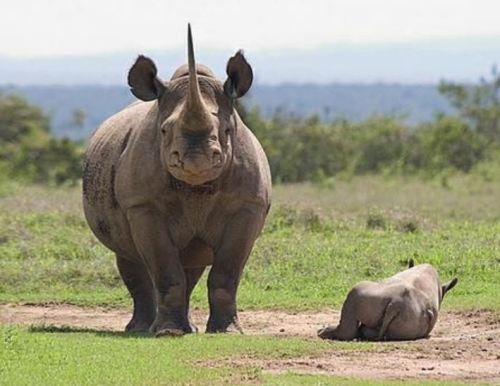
x,y
139,286
192,277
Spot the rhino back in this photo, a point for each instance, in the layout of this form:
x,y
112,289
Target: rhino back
x,y
423,277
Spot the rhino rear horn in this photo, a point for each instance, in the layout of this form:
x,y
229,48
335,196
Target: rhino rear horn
x,y
449,285
143,80
240,76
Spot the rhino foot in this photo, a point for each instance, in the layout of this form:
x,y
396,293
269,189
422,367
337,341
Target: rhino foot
x,y
137,327
170,332
215,327
166,328
137,324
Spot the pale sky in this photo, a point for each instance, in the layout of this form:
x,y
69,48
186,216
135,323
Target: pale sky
x,y
30,28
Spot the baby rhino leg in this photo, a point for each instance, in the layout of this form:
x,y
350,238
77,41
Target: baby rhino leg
x,y
379,332
349,322
391,312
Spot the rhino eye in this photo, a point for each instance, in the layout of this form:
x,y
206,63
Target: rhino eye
x,y
163,130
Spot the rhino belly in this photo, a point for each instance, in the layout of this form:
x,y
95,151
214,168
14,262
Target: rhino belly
x,y
197,254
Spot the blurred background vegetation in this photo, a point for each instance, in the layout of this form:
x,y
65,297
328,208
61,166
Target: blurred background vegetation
x,y
29,151
299,149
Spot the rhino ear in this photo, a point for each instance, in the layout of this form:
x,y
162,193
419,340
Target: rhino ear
x,y
449,285
239,76
143,80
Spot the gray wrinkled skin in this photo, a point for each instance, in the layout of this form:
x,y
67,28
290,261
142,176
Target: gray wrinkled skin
x,y
403,307
173,184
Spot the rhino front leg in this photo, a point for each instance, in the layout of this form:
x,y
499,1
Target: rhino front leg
x,y
138,283
192,277
222,287
224,277
161,257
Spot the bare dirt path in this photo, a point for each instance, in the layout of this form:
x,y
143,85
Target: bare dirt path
x,y
464,345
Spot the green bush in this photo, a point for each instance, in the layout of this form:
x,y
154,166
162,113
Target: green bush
x,y
28,151
378,143
448,143
477,104
298,149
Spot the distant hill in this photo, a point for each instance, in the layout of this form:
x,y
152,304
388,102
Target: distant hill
x,y
345,80
415,62
415,103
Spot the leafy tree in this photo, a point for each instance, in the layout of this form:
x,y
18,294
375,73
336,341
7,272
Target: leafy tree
x,y
448,142
377,143
478,104
28,151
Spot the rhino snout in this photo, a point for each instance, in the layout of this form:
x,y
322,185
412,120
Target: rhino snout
x,y
196,163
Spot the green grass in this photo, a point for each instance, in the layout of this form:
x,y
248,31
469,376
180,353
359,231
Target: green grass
x,y
52,356
291,379
318,242
313,250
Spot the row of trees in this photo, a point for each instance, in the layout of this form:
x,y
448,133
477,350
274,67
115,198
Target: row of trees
x,y
309,149
298,149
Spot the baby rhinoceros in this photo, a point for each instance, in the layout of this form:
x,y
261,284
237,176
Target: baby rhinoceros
x,y
402,307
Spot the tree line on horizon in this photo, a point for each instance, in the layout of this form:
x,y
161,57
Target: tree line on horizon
x,y
299,149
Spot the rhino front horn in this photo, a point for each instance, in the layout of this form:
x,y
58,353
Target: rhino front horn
x,y
194,100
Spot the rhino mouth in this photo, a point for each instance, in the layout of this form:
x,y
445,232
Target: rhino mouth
x,y
195,171
196,178
210,187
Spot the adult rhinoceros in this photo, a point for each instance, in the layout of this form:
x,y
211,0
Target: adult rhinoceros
x,y
176,183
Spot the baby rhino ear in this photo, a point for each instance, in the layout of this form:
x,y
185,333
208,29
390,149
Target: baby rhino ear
x,y
143,80
449,285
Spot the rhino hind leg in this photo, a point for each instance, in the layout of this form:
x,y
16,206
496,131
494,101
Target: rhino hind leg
x,y
391,312
139,285
192,277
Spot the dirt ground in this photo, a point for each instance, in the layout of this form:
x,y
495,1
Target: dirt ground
x,y
464,346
